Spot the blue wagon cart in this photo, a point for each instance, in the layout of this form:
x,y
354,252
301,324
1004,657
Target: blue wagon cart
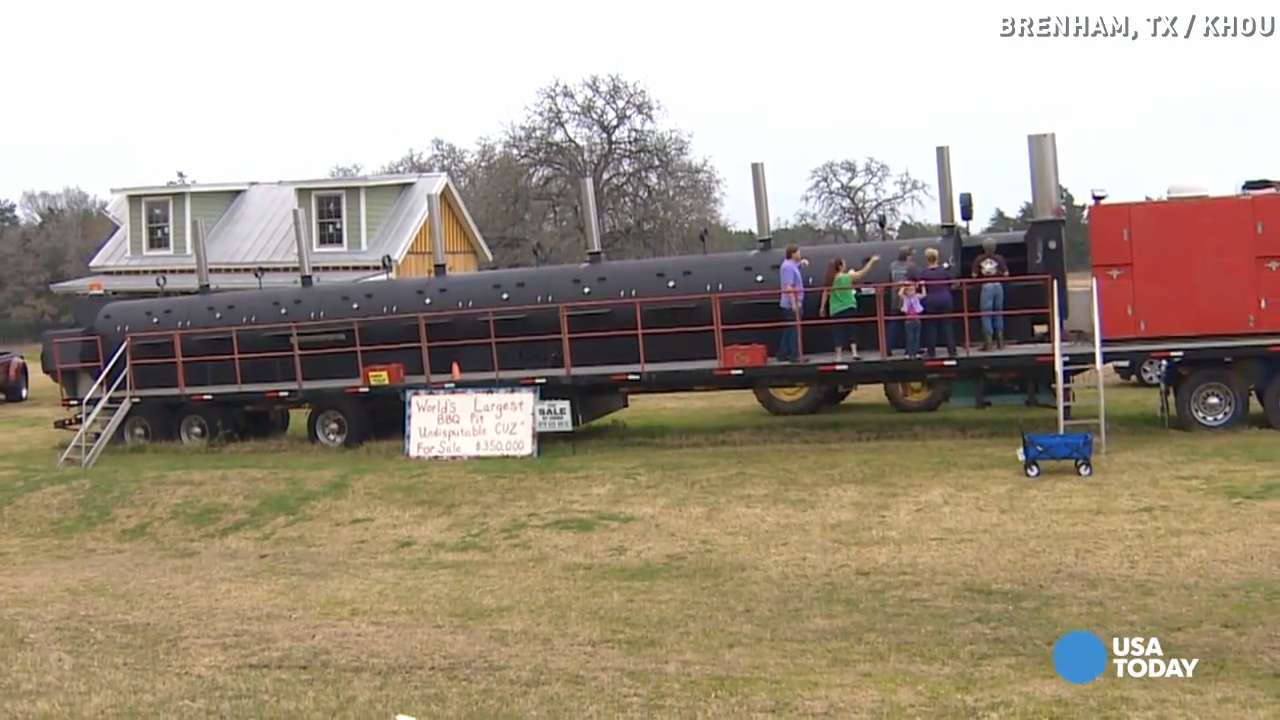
x,y
1057,446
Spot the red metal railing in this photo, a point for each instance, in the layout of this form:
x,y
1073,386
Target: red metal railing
x,y
565,336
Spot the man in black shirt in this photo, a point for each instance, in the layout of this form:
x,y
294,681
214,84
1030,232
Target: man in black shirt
x,y
991,266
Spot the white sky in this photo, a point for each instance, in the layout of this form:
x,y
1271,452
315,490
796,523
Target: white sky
x,y
109,94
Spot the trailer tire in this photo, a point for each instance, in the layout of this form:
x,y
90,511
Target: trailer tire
x,y
922,396
1270,399
792,399
145,425
20,391
201,425
338,423
1212,399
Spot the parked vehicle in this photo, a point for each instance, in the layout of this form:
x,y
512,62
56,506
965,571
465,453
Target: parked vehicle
x,y
1145,371
15,383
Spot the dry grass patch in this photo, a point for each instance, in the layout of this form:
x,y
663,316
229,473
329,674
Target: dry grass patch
x,y
694,558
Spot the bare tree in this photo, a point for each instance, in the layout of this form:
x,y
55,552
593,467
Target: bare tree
x,y
38,207
8,214
61,232
850,195
346,171
652,193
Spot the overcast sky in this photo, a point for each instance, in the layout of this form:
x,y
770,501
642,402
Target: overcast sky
x,y
104,95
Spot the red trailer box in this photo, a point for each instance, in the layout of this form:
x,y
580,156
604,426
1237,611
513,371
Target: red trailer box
x,y
1187,267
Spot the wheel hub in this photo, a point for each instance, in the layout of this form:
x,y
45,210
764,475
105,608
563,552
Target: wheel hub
x,y
789,394
194,429
915,390
1213,404
137,432
1150,371
331,428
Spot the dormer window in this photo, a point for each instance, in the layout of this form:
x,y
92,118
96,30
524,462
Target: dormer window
x,y
330,211
157,223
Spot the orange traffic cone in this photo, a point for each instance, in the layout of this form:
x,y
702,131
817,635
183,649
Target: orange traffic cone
x,y
456,371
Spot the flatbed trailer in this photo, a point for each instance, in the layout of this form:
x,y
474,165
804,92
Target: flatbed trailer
x,y
199,410
1212,377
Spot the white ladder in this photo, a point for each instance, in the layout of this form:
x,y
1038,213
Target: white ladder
x,y
102,410
1085,373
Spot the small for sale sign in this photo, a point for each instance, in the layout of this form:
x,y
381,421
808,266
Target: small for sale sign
x,y
554,416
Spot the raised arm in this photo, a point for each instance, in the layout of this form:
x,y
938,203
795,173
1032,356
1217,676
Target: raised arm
x,y
861,273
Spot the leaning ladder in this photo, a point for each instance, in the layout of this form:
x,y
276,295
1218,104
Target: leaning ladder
x,y
1077,374
102,410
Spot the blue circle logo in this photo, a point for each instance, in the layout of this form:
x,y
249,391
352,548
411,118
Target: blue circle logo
x,y
1079,657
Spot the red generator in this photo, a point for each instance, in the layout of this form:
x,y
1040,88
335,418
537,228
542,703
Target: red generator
x,y
1187,267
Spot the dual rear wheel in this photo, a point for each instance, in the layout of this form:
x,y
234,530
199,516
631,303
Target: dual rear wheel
x,y
1215,399
801,399
910,397
200,424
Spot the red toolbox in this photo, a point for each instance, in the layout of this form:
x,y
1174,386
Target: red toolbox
x,y
753,355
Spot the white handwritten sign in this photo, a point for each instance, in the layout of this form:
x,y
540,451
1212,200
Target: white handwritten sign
x,y
470,423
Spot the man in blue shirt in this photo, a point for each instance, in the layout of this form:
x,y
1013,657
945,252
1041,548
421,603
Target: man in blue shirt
x,y
791,281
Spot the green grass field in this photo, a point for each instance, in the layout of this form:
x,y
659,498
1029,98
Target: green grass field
x,y
692,556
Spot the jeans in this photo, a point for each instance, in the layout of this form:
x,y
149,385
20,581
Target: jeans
x,y
789,345
934,326
893,330
992,301
913,336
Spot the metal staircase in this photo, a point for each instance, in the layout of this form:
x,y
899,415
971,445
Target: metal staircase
x,y
102,410
1078,379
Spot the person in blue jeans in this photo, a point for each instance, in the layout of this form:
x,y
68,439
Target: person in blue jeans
x,y
791,281
989,267
901,271
912,307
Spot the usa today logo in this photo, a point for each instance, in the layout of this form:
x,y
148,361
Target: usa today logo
x,y
1079,657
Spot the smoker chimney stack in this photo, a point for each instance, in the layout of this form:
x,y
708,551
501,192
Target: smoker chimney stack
x,y
946,204
1046,193
304,247
764,237
202,259
437,235
590,219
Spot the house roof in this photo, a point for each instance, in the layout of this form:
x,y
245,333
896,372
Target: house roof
x,y
186,281
257,229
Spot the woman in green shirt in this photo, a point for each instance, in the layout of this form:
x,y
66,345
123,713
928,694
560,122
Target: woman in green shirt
x,y
840,302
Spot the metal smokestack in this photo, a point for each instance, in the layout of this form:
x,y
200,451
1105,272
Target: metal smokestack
x,y
1046,194
304,247
437,234
764,237
202,259
590,219
946,203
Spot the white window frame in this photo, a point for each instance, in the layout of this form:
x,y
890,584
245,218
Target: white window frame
x,y
146,226
315,221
